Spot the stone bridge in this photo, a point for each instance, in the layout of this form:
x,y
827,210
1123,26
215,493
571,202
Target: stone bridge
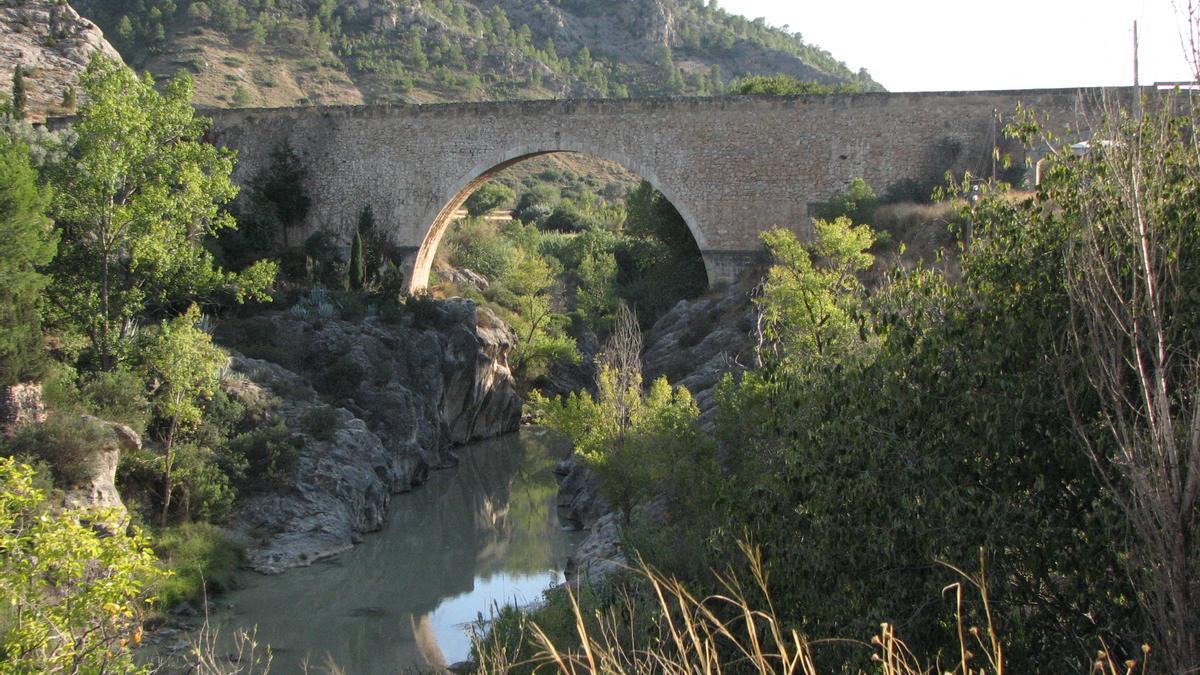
x,y
732,166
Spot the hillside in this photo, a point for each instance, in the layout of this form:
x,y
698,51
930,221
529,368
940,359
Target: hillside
x,y
52,44
298,52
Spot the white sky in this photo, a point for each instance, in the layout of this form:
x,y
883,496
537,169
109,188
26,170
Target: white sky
x,y
932,45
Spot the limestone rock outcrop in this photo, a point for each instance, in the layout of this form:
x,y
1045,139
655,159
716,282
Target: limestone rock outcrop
x,y
53,44
377,407
20,404
93,482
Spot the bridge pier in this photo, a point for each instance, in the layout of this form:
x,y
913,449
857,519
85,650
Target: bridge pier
x,y
725,267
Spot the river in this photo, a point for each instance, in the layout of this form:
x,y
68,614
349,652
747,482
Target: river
x,y
402,601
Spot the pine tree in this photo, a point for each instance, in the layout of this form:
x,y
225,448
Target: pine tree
x,y
358,272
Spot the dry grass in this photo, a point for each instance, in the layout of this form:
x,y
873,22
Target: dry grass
x,y
727,632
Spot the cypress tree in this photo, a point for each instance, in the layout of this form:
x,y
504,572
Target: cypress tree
x,y
358,272
18,92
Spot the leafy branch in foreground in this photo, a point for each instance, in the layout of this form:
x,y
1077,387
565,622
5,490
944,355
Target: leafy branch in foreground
x,y
73,596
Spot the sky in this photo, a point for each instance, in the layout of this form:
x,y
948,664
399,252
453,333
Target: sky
x,y
945,45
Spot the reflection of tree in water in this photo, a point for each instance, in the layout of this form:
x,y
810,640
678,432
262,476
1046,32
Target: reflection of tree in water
x,y
493,514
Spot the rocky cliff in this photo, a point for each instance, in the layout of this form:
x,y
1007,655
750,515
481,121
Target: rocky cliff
x,y
377,406
53,44
696,343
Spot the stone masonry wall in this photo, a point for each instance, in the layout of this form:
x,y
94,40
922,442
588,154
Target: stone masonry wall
x,y
732,166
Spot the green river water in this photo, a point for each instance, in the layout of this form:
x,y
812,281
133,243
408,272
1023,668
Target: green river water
x,y
402,601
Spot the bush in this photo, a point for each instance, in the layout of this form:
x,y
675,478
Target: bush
x,y
857,202
476,245
68,442
321,423
268,453
117,396
488,198
199,556
341,379
74,596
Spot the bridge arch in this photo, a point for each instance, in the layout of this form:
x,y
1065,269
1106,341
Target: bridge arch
x,y
437,221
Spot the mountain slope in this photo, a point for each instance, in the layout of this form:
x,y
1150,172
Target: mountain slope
x,y
289,52
52,44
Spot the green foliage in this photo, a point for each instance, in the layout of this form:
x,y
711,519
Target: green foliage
x,y
269,452
526,292
27,242
808,309
488,198
786,85
116,396
918,423
596,296
358,272
341,379
241,96
184,361
199,557
857,202
74,596
664,265
639,445
474,245
278,191
132,205
19,97
67,442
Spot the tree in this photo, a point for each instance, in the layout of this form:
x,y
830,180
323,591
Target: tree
x,y
358,274
134,204
526,292
280,198
19,97
1132,208
488,198
640,444
75,595
27,241
786,85
807,309
183,360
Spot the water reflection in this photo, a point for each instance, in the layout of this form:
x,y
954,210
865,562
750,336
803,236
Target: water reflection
x,y
481,533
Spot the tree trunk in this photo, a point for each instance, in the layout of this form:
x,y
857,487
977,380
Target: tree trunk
x,y
162,519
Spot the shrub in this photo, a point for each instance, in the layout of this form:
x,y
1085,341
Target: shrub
x,y
488,198
268,453
341,379
857,202
117,396
199,556
67,442
475,245
321,423
74,598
